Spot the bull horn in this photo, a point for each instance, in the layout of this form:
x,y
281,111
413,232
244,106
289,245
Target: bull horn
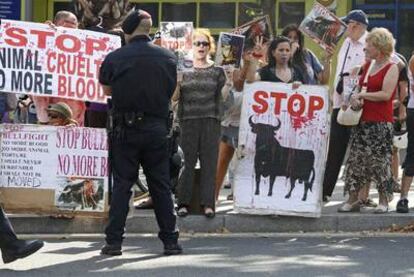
x,y
251,121
277,127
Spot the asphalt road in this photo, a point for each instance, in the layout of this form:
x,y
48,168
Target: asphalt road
x,y
221,255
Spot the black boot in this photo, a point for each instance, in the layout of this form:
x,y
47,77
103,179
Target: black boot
x,y
7,235
20,249
11,247
172,249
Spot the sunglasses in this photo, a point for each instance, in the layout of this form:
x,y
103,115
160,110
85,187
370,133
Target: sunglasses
x,y
199,43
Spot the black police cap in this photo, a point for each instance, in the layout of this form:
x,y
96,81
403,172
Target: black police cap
x,y
132,21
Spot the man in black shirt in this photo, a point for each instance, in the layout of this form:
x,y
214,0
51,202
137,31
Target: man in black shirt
x,y
141,77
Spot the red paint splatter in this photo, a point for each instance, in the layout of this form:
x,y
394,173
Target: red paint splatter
x,y
299,122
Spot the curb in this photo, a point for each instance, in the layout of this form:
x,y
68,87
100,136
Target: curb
x,y
221,223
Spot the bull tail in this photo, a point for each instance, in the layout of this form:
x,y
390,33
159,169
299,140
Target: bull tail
x,y
312,179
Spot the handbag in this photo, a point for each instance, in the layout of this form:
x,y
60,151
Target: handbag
x,y
349,116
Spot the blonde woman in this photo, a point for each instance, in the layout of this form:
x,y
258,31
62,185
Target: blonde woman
x,y
371,141
200,96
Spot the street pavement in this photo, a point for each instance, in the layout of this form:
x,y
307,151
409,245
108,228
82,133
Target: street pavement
x,y
228,221
222,255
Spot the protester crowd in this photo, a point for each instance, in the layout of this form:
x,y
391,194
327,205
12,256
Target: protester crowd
x,y
208,107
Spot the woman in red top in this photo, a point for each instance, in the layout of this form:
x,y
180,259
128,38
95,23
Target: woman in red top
x,y
371,141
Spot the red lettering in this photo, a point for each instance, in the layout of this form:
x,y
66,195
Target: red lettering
x,y
90,89
98,67
75,47
81,67
94,44
61,64
104,166
315,104
62,85
50,67
278,96
80,88
259,97
17,35
300,103
41,37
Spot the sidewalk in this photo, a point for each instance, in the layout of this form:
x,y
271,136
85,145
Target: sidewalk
x,y
226,220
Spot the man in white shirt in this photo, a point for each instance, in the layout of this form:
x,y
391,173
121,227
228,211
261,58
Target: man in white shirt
x,y
350,55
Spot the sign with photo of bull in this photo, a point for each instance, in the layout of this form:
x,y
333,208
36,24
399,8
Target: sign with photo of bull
x,y
282,149
47,168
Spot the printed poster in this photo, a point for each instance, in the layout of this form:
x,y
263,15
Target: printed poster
x,y
323,26
39,60
283,143
71,161
259,27
177,37
229,50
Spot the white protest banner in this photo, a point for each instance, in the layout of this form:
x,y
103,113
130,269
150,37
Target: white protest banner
x,y
71,161
39,60
282,145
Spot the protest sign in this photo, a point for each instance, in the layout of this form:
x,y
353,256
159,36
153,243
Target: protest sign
x,y
70,162
282,144
177,37
39,60
229,50
259,27
323,26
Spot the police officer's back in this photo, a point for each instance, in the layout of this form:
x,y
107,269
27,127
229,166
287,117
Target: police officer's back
x,y
141,77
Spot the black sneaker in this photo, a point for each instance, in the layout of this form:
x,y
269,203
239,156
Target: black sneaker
x,y
172,249
111,250
402,206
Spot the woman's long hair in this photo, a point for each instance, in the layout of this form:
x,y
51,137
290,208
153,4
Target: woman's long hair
x,y
300,54
273,45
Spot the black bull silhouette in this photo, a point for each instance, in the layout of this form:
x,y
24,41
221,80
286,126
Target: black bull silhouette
x,y
272,159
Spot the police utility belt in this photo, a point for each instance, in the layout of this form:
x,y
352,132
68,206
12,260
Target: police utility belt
x,y
134,119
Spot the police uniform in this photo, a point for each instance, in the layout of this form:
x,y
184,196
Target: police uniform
x,y
142,77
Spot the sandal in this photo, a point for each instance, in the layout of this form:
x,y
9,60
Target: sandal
x,y
349,208
182,211
209,212
369,203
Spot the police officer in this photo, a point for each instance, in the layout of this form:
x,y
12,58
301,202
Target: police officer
x,y
11,247
141,77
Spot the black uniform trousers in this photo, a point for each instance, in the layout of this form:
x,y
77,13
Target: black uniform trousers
x,y
338,143
7,235
144,144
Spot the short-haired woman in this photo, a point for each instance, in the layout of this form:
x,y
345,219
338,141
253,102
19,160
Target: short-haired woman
x,y
371,141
